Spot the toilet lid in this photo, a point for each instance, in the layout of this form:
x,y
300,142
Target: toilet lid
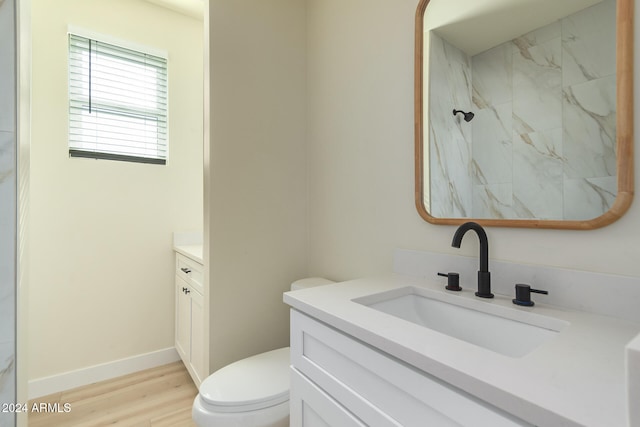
x,y
249,384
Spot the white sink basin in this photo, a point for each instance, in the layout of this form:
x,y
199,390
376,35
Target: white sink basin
x,y
505,330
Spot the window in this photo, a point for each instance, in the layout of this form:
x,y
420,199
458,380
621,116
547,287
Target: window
x,y
117,102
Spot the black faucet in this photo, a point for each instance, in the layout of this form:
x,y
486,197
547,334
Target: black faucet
x,y
484,277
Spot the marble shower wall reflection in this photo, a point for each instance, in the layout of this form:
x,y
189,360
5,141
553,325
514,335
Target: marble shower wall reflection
x,y
542,143
449,137
7,209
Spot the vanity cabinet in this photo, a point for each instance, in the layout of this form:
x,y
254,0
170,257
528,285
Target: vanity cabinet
x,y
339,380
189,332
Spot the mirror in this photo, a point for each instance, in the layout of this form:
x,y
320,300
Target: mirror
x,y
524,112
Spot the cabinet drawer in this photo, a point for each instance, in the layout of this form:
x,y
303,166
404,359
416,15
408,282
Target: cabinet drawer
x,y
312,407
343,366
190,271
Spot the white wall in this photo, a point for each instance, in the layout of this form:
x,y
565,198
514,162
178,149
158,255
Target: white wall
x,y
361,142
101,285
255,169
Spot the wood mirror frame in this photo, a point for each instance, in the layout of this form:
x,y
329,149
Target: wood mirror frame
x,y
624,132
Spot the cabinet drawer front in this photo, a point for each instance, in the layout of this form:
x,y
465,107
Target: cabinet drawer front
x,y
190,271
312,407
342,365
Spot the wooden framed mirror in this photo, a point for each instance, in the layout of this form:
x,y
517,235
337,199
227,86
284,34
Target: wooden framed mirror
x,y
549,143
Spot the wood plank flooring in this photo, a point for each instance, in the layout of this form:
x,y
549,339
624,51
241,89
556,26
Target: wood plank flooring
x,y
158,397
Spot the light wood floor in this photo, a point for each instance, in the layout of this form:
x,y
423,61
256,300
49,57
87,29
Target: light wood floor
x,y
156,397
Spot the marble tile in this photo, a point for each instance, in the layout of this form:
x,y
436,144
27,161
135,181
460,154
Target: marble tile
x,y
492,76
7,272
542,199
588,198
450,194
538,173
499,201
589,129
588,43
7,209
449,136
492,145
7,381
454,69
542,101
7,306
537,37
520,209
539,152
7,155
7,232
7,71
493,201
537,94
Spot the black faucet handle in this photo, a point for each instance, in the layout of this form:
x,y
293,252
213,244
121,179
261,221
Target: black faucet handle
x,y
523,294
453,282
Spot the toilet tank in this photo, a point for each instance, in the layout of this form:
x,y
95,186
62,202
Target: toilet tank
x,y
310,282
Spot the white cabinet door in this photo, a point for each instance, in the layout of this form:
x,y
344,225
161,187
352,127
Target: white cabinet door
x,y
183,320
312,407
190,329
197,336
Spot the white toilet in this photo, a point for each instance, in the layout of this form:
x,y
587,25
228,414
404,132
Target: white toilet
x,y
252,392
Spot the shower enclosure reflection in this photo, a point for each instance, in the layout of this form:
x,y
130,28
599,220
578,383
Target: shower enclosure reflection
x,y
542,144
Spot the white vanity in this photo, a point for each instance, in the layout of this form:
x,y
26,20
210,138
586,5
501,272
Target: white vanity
x,y
189,308
359,357
338,380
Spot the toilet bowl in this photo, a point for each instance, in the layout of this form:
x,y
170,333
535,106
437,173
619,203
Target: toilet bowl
x,y
252,392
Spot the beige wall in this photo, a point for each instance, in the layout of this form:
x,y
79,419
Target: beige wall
x,y
101,285
360,135
255,203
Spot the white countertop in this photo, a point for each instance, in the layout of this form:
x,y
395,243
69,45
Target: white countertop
x,y
193,252
576,379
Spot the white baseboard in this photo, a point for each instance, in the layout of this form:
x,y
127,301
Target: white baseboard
x,y
105,371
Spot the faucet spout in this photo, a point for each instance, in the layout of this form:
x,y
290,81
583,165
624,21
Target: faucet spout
x,y
484,277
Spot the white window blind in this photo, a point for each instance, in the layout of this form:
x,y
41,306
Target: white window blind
x,y
117,102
